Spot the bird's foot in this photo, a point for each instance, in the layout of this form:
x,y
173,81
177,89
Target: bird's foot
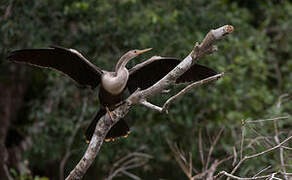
x,y
109,113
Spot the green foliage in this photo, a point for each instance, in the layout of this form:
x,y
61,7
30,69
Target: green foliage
x,y
256,59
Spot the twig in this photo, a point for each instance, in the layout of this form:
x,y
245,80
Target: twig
x,y
272,119
190,164
281,151
180,159
256,140
131,161
134,154
188,88
242,139
151,106
280,100
234,156
261,171
212,147
211,170
240,178
285,147
273,176
267,141
201,149
131,175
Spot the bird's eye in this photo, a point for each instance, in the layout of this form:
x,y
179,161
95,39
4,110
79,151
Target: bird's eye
x,y
135,51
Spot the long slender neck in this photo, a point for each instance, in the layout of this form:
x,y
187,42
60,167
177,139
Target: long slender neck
x,y
122,62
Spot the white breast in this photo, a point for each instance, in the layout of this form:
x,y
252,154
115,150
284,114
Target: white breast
x,y
115,83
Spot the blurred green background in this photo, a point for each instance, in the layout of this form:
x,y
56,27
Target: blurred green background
x,y
44,114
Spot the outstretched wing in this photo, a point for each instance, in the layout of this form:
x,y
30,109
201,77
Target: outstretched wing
x,y
146,74
68,61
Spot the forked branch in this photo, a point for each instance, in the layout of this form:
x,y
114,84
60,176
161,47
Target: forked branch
x,y
105,123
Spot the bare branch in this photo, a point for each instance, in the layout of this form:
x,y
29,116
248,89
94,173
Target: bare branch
x,y
105,123
151,106
256,140
259,154
261,171
239,178
266,139
212,147
281,151
285,147
242,140
188,88
131,175
272,119
181,160
209,172
201,149
273,177
130,161
234,156
282,98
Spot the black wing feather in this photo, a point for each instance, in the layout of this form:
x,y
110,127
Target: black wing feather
x,y
62,59
151,73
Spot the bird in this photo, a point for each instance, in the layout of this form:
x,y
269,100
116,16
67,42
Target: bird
x,y
112,85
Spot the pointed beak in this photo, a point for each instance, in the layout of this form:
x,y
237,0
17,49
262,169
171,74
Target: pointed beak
x,y
143,51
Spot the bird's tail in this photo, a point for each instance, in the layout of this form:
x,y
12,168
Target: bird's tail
x,y
120,129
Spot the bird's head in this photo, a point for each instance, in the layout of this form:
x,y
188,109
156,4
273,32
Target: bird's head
x,y
133,53
130,55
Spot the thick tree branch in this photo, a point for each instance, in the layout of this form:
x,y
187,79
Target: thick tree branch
x,y
105,123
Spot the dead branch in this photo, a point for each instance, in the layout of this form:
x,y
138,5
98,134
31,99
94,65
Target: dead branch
x,y
180,158
281,150
212,147
271,119
261,171
259,154
201,148
240,178
187,166
105,123
188,88
151,106
131,161
234,156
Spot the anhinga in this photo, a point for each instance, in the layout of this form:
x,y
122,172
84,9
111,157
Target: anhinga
x,y
112,84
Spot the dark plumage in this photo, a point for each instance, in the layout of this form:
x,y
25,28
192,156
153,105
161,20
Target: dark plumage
x,y
149,74
70,63
143,75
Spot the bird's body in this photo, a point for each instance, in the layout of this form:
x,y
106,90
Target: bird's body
x,y
112,84
115,82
